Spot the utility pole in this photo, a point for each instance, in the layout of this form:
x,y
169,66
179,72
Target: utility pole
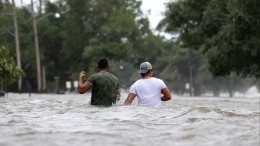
x,y
191,72
40,7
37,50
17,44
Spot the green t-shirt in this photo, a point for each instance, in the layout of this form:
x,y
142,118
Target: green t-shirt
x,y
105,87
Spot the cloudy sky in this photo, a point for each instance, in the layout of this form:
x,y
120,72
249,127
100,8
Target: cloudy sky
x,y
156,7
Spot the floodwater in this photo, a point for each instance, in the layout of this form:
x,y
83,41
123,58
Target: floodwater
x,y
69,120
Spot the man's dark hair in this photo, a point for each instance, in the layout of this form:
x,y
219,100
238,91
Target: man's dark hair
x,y
146,73
102,63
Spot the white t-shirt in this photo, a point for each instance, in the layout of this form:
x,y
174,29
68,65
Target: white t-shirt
x,y
148,91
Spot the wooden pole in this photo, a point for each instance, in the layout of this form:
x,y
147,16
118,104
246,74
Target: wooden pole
x,y
17,44
37,50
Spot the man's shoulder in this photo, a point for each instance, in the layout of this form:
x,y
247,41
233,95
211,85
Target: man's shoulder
x,y
92,76
112,75
157,79
137,82
107,75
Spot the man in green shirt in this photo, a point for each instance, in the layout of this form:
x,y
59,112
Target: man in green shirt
x,y
105,86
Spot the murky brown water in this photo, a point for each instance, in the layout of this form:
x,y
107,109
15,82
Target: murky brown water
x,y
69,120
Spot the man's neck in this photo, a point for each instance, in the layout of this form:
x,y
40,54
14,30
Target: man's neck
x,y
146,76
105,69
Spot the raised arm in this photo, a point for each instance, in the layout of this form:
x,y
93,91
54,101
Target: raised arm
x,y
83,87
166,94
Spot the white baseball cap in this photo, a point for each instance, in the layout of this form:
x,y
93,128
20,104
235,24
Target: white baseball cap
x,y
145,67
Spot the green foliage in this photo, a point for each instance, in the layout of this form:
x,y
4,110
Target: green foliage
x,y
85,31
148,48
6,27
100,28
117,29
8,69
175,65
226,31
114,50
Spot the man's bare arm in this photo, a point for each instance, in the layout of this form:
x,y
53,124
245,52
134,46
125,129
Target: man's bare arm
x,y
83,87
166,94
129,99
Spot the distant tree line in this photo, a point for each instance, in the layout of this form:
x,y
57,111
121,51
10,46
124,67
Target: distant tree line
x,y
215,37
226,32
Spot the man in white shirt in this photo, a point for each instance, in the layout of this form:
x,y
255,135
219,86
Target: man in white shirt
x,y
148,89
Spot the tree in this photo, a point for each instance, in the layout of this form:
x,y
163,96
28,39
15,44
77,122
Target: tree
x,y
179,66
114,28
85,31
9,72
226,31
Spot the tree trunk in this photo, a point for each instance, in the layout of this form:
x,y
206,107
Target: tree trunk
x,y
37,50
43,78
17,44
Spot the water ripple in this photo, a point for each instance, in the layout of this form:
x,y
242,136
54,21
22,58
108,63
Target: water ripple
x,y
46,119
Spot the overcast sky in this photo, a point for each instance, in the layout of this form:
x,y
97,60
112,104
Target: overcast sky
x,y
156,7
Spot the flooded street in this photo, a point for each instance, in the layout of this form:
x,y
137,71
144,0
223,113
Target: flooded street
x,y
69,120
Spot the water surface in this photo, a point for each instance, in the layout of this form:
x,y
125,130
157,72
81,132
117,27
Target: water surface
x,y
69,120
